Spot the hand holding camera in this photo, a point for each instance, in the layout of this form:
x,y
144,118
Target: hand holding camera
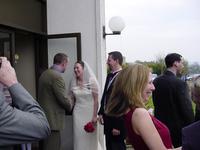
x,y
7,72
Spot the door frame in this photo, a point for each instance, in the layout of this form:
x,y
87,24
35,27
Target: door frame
x,y
12,43
77,36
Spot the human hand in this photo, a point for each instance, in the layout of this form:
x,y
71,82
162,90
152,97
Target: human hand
x,y
101,119
89,127
7,73
115,132
94,120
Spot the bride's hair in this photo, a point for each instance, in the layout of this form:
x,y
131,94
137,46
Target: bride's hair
x,y
81,63
89,79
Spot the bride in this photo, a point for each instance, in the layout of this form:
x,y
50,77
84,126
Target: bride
x,y
84,89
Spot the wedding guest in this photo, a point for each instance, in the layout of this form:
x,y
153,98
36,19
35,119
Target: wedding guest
x,y
114,128
84,89
8,99
132,89
26,146
24,121
172,103
191,136
6,93
196,96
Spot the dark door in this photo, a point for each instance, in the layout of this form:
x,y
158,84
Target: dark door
x,y
7,45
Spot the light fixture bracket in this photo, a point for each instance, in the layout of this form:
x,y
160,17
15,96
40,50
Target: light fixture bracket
x,y
113,33
116,25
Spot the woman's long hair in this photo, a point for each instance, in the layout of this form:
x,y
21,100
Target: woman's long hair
x,y
127,90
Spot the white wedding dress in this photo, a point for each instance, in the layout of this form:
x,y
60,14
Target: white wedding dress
x,y
82,114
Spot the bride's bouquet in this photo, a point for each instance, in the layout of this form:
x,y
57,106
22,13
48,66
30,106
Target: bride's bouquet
x,y
89,127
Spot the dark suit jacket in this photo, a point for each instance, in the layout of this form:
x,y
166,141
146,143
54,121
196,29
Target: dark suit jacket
x,y
111,122
106,94
172,104
24,123
191,136
53,98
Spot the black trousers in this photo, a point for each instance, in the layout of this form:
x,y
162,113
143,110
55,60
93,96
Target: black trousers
x,y
53,142
197,114
112,144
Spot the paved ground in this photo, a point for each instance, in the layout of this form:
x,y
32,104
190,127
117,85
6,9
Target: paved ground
x,y
129,147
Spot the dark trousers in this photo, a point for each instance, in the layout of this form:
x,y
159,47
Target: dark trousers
x,y
114,144
176,138
53,142
197,114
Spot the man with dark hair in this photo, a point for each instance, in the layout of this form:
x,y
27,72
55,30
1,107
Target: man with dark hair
x,y
171,58
53,98
114,128
190,133
59,58
116,56
171,98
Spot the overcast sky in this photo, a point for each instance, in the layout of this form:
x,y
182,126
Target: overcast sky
x,y
155,28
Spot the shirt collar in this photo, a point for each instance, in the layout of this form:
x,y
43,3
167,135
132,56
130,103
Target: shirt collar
x,y
116,70
56,67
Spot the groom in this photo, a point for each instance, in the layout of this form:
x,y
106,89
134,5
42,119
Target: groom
x,y
114,128
53,99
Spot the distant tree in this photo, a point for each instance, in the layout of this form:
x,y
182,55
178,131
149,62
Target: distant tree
x,y
185,70
139,62
158,66
160,61
124,65
194,68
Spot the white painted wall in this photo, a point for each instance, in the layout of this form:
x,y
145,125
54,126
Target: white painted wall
x,y
86,17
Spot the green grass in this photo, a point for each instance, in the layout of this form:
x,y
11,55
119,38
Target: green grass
x,y
193,106
149,104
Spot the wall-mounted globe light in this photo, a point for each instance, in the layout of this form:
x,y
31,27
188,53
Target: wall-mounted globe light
x,y
116,25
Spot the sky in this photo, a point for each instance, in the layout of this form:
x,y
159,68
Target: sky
x,y
154,28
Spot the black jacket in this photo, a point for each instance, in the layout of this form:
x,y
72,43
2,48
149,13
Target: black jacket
x,y
191,136
111,122
172,104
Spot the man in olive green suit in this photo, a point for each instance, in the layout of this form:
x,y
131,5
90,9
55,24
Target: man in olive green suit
x,y
53,99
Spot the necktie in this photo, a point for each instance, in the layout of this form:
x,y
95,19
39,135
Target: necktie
x,y
111,77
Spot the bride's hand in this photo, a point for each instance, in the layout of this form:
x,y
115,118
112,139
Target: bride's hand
x,y
100,119
94,120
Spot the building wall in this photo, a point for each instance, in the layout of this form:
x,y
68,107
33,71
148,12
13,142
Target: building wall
x,y
86,17
22,18
24,14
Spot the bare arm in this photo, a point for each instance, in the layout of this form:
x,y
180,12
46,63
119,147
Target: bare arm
x,y
95,107
143,125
